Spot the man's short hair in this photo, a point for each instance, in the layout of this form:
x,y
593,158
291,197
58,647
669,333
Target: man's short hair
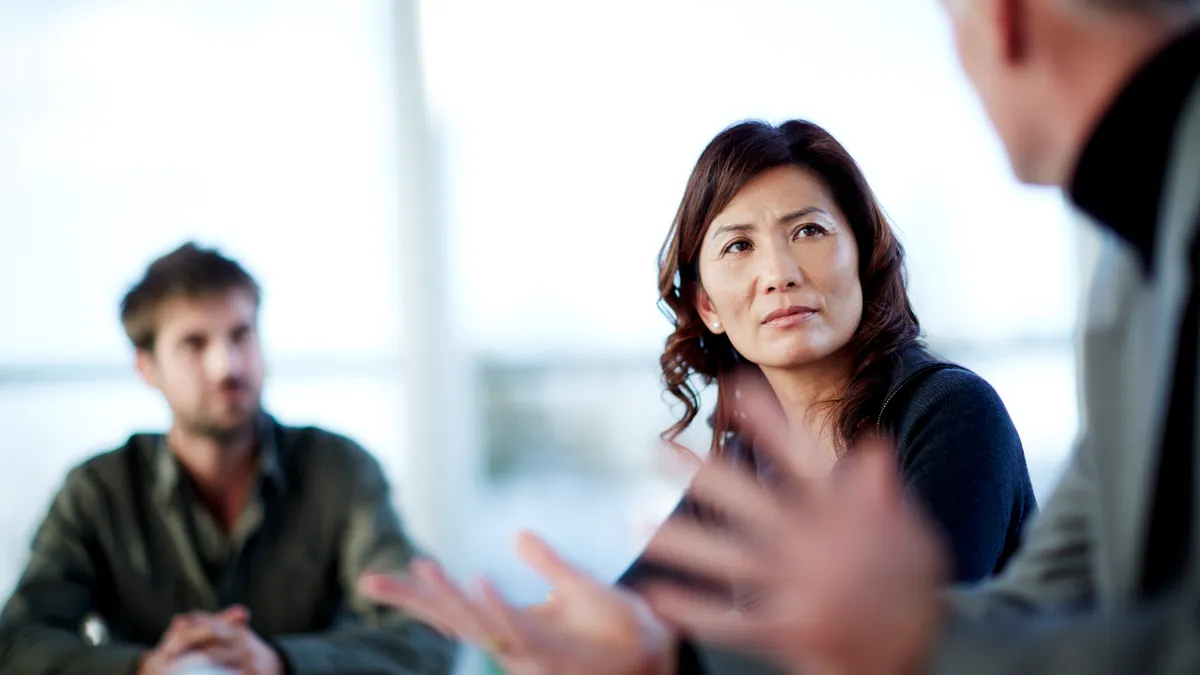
x,y
1141,5
1122,5
1173,11
189,271
1145,4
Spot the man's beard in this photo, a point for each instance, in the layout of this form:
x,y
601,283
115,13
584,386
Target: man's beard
x,y
223,432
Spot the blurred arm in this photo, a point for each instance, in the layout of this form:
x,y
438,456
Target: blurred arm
x,y
1039,616
41,625
1159,640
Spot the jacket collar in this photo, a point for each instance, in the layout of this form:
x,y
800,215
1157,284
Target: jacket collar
x,y
165,468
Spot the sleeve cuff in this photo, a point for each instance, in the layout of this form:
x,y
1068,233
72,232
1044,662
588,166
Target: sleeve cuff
x,y
307,655
952,650
117,659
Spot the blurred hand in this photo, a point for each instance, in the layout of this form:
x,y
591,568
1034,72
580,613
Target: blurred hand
x,y
587,628
196,663
847,572
225,638
184,635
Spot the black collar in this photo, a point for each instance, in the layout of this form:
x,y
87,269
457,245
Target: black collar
x,y
1118,179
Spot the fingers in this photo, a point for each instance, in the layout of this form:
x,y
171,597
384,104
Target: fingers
x,y
426,594
678,462
179,638
705,617
538,555
387,589
758,414
544,616
490,622
706,551
508,630
433,598
735,493
232,655
872,478
195,631
409,595
456,608
237,615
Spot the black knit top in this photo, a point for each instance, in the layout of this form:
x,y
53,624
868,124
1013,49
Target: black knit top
x,y
959,456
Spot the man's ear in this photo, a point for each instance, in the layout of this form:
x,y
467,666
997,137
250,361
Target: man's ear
x,y
707,314
147,369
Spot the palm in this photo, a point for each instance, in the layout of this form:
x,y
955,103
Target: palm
x,y
588,627
604,616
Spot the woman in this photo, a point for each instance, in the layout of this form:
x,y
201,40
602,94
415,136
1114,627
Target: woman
x,y
781,258
782,264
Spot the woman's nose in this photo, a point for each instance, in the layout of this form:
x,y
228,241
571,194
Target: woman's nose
x,y
781,272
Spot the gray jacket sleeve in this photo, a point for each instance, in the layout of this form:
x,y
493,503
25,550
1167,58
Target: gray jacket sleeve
x,y
372,639
41,625
1156,640
1040,616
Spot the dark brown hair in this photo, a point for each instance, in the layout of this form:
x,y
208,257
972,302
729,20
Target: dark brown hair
x,y
188,271
888,323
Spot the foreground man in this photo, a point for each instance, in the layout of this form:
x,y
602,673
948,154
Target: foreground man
x,y
1101,98
232,537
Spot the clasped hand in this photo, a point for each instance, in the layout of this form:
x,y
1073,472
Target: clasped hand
x,y
225,638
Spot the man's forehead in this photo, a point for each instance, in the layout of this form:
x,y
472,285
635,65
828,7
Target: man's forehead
x,y
208,311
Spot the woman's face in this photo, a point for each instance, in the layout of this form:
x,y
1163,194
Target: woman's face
x,y
779,271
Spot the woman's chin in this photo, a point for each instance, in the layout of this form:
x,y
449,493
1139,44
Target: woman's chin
x,y
797,357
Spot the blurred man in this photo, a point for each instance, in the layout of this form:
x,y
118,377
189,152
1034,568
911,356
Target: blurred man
x,y
1102,98
232,536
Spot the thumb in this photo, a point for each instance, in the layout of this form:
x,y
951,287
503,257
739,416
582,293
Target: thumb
x,y
538,555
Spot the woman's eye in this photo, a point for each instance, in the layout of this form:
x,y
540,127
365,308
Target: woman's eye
x,y
810,230
739,246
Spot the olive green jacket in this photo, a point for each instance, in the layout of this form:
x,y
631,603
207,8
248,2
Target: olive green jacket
x,y
127,541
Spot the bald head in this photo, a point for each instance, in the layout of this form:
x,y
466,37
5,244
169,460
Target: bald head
x,y
1139,5
1046,70
1171,10
1152,6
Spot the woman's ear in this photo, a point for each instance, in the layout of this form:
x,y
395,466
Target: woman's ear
x,y
707,314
